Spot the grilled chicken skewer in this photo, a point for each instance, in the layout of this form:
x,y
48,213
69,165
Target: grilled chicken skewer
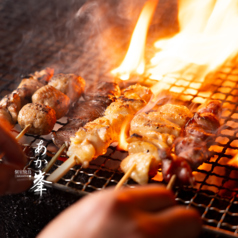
x,y
50,104
192,149
152,135
11,104
149,147
94,138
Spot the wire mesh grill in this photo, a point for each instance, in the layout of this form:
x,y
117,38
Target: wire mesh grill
x,y
25,50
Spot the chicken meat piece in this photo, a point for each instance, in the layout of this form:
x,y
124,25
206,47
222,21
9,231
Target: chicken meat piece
x,y
41,117
177,114
165,124
192,149
50,96
31,84
12,102
144,162
143,147
27,88
71,85
152,124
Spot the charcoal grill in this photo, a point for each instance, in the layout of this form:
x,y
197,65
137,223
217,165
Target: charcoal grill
x,y
28,44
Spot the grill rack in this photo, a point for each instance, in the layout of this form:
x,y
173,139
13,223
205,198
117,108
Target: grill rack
x,y
215,194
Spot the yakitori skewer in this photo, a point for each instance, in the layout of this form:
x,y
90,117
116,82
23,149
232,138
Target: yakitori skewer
x,y
94,138
152,136
49,103
11,104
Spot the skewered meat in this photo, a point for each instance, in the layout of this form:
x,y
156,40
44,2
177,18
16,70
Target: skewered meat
x,y
144,163
85,111
178,166
94,138
165,124
26,89
29,86
70,84
12,103
41,118
153,131
50,96
192,150
44,75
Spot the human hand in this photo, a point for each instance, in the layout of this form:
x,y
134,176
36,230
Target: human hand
x,y
144,211
14,159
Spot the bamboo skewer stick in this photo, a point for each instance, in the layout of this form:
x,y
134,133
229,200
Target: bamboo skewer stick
x,y
125,177
18,137
171,182
53,160
23,132
63,169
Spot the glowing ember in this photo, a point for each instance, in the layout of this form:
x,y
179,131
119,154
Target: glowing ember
x,y
134,60
234,161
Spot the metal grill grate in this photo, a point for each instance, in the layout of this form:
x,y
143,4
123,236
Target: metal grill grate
x,y
25,50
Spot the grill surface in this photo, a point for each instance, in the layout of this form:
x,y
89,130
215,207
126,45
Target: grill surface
x,y
29,44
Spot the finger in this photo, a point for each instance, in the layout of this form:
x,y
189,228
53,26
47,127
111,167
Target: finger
x,y
9,146
9,183
146,198
177,221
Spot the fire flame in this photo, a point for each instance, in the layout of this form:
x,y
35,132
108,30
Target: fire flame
x,y
207,38
134,59
122,143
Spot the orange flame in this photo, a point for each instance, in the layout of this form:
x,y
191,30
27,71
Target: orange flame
x,y
134,59
124,132
207,38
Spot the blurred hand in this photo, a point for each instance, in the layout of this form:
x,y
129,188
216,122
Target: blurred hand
x,y
14,159
145,211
